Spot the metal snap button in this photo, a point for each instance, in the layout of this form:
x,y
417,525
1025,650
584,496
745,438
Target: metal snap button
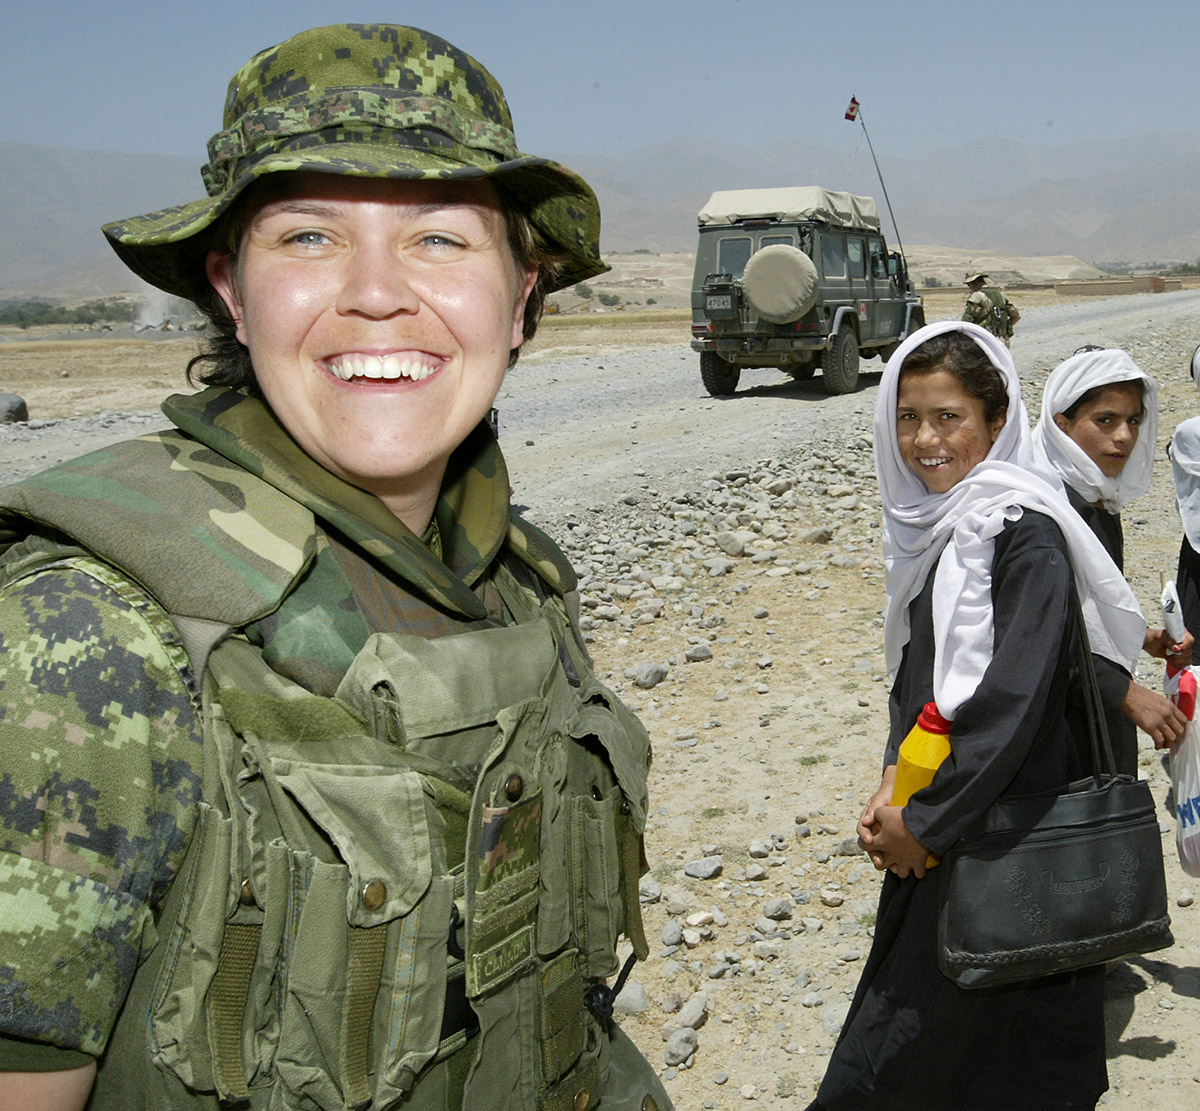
x,y
597,794
649,1104
626,809
246,896
514,788
374,894
582,1099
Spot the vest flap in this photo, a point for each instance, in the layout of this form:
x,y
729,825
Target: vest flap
x,y
376,818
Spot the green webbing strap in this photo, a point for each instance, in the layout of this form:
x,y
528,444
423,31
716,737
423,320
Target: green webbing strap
x,y
367,947
561,1016
457,1067
227,1006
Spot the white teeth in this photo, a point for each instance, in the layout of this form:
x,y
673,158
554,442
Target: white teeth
x,y
932,462
390,367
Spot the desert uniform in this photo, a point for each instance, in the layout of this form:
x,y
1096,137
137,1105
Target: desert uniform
x,y
296,808
989,308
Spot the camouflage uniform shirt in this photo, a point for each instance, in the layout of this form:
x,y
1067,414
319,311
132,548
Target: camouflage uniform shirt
x,y
101,743
990,309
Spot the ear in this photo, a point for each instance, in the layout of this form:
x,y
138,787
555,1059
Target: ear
x,y
1061,421
523,292
221,270
997,426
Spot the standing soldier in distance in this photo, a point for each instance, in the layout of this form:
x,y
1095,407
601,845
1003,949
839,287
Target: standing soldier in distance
x,y
989,307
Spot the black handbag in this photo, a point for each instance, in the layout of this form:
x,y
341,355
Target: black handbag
x,y
1047,883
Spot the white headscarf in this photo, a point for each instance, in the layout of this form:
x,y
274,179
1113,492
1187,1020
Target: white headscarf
x,y
1185,463
1052,447
957,531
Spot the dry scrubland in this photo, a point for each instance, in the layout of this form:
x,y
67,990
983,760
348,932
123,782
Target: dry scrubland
x,y
773,738
79,373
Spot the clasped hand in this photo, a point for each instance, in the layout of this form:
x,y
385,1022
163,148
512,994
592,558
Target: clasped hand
x,y
885,838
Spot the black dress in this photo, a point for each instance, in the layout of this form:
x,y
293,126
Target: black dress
x,y
1187,582
912,1039
1112,678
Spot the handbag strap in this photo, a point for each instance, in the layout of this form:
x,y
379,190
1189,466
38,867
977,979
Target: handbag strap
x,y
1092,704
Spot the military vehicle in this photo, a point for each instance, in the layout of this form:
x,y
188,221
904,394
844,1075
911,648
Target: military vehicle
x,y
797,278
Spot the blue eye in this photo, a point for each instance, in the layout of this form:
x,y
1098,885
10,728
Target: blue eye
x,y
308,238
440,240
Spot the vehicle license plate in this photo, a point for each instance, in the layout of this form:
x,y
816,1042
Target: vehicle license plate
x,y
719,301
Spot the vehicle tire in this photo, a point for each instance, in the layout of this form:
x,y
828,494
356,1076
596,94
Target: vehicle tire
x,y
839,363
780,283
802,372
918,320
719,376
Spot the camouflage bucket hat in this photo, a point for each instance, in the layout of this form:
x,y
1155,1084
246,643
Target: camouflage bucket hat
x,y
368,100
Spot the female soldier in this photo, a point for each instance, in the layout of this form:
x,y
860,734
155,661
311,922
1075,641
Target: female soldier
x,y
985,560
310,797
1097,432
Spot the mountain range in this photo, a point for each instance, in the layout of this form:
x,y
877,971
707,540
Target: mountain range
x,y
1132,201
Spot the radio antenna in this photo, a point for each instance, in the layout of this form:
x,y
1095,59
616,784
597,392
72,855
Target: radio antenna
x,y
854,112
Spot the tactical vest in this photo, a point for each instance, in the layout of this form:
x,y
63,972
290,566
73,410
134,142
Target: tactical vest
x,y
393,896
998,322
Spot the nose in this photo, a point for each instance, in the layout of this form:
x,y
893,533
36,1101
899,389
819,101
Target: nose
x,y
376,283
926,433
1125,435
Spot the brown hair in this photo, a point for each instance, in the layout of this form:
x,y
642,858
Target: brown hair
x,y
957,354
224,361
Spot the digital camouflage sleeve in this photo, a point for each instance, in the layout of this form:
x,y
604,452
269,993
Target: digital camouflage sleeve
x,y
100,768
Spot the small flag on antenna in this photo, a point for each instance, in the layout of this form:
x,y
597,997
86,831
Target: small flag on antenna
x,y
852,111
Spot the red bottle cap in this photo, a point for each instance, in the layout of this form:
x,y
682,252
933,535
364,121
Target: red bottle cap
x,y
930,719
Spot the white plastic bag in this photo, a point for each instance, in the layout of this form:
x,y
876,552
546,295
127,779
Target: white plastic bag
x,y
1181,688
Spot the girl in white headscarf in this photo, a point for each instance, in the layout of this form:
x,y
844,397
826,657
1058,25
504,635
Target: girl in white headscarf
x,y
1097,432
985,560
1185,463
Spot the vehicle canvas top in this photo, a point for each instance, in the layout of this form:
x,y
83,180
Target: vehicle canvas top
x,y
797,202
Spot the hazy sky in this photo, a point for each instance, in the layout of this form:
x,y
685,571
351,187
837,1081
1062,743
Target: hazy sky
x,y
611,75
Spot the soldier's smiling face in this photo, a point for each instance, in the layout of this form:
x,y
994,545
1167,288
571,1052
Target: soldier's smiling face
x,y
379,316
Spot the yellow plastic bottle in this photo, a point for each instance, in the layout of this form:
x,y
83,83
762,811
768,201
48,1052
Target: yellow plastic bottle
x,y
921,754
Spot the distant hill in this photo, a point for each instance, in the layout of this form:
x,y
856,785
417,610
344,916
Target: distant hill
x,y
1133,200
53,201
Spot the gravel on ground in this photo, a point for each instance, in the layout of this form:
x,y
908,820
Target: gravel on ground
x,y
732,592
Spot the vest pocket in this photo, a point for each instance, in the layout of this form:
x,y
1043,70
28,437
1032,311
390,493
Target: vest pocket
x,y
178,1034
596,881
350,996
318,976
366,937
609,753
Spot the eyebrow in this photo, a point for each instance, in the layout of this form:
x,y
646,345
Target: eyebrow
x,y
302,207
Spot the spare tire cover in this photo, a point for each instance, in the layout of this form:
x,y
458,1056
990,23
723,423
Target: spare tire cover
x,y
780,283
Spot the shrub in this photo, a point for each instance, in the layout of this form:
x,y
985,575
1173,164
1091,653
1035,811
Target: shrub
x,y
25,314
